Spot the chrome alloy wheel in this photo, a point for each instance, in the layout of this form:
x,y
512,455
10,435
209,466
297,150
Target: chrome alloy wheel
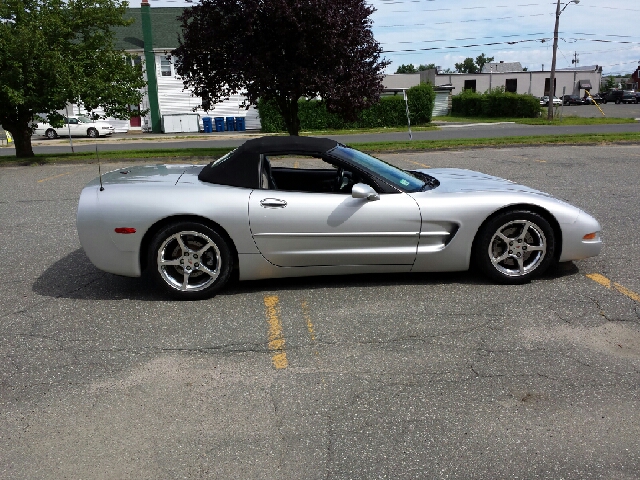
x,y
517,248
189,261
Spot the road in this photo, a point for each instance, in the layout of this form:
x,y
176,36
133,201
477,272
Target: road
x,y
386,376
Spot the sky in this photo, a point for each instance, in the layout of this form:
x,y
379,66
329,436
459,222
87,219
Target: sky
x,y
445,32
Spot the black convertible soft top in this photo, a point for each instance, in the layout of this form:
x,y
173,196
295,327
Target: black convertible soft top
x,y
242,167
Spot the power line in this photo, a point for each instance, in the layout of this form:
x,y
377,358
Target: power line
x,y
541,40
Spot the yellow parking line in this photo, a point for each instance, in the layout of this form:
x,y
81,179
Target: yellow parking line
x,y
605,282
276,338
307,318
296,164
55,176
418,163
64,174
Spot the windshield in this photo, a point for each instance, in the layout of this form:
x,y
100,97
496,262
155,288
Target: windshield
x,y
393,175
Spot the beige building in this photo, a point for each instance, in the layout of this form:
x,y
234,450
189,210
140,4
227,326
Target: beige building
x,y
571,81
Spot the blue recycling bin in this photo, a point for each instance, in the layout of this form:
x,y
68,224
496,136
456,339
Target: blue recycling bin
x,y
207,124
219,124
240,126
231,124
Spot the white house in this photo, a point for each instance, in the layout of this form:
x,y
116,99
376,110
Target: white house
x,y
165,95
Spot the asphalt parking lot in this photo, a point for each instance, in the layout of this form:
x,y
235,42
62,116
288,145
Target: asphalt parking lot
x,y
381,376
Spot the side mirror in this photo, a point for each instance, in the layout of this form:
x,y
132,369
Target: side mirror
x,y
362,190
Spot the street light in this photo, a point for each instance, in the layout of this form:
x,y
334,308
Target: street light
x,y
552,90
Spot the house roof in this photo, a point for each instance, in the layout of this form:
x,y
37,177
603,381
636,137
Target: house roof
x,y
502,67
165,25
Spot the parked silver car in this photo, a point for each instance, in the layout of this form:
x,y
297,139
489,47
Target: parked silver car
x,y
190,226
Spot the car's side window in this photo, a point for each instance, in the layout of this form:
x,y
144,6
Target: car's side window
x,y
73,121
303,173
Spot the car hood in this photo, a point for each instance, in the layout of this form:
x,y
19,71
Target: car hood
x,y
453,180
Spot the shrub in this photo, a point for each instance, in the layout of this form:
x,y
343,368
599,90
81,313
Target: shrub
x,y
495,103
388,112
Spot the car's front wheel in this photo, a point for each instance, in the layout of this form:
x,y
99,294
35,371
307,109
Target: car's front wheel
x,y
93,133
189,261
515,247
51,134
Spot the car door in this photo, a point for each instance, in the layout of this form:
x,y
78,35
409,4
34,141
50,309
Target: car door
x,y
71,126
298,229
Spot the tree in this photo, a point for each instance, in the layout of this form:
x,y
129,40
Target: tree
x,y
406,69
282,50
411,69
430,66
610,84
56,52
482,60
467,66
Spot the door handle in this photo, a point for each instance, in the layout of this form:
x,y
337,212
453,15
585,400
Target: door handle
x,y
273,203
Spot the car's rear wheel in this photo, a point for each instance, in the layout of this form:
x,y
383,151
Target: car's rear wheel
x,y
515,247
93,133
189,261
51,134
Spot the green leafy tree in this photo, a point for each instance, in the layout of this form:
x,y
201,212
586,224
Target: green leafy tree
x,y
609,84
411,69
471,66
55,52
281,51
406,69
482,60
467,66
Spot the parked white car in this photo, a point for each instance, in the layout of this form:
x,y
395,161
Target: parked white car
x,y
544,101
77,126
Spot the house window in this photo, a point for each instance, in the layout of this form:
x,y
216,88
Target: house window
x,y
165,66
511,85
470,85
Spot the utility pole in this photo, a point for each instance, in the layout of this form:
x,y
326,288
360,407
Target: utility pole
x,y
575,60
552,77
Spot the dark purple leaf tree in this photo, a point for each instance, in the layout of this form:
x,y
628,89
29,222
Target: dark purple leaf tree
x,y
282,51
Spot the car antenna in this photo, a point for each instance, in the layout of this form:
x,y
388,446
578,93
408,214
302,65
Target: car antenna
x,y
99,170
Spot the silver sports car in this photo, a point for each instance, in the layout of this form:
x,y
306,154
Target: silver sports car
x,y
191,226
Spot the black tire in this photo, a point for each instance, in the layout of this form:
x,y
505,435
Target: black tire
x,y
93,133
51,134
198,261
510,236
604,102
617,101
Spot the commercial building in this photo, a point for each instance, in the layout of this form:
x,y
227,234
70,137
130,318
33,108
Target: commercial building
x,y
510,76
